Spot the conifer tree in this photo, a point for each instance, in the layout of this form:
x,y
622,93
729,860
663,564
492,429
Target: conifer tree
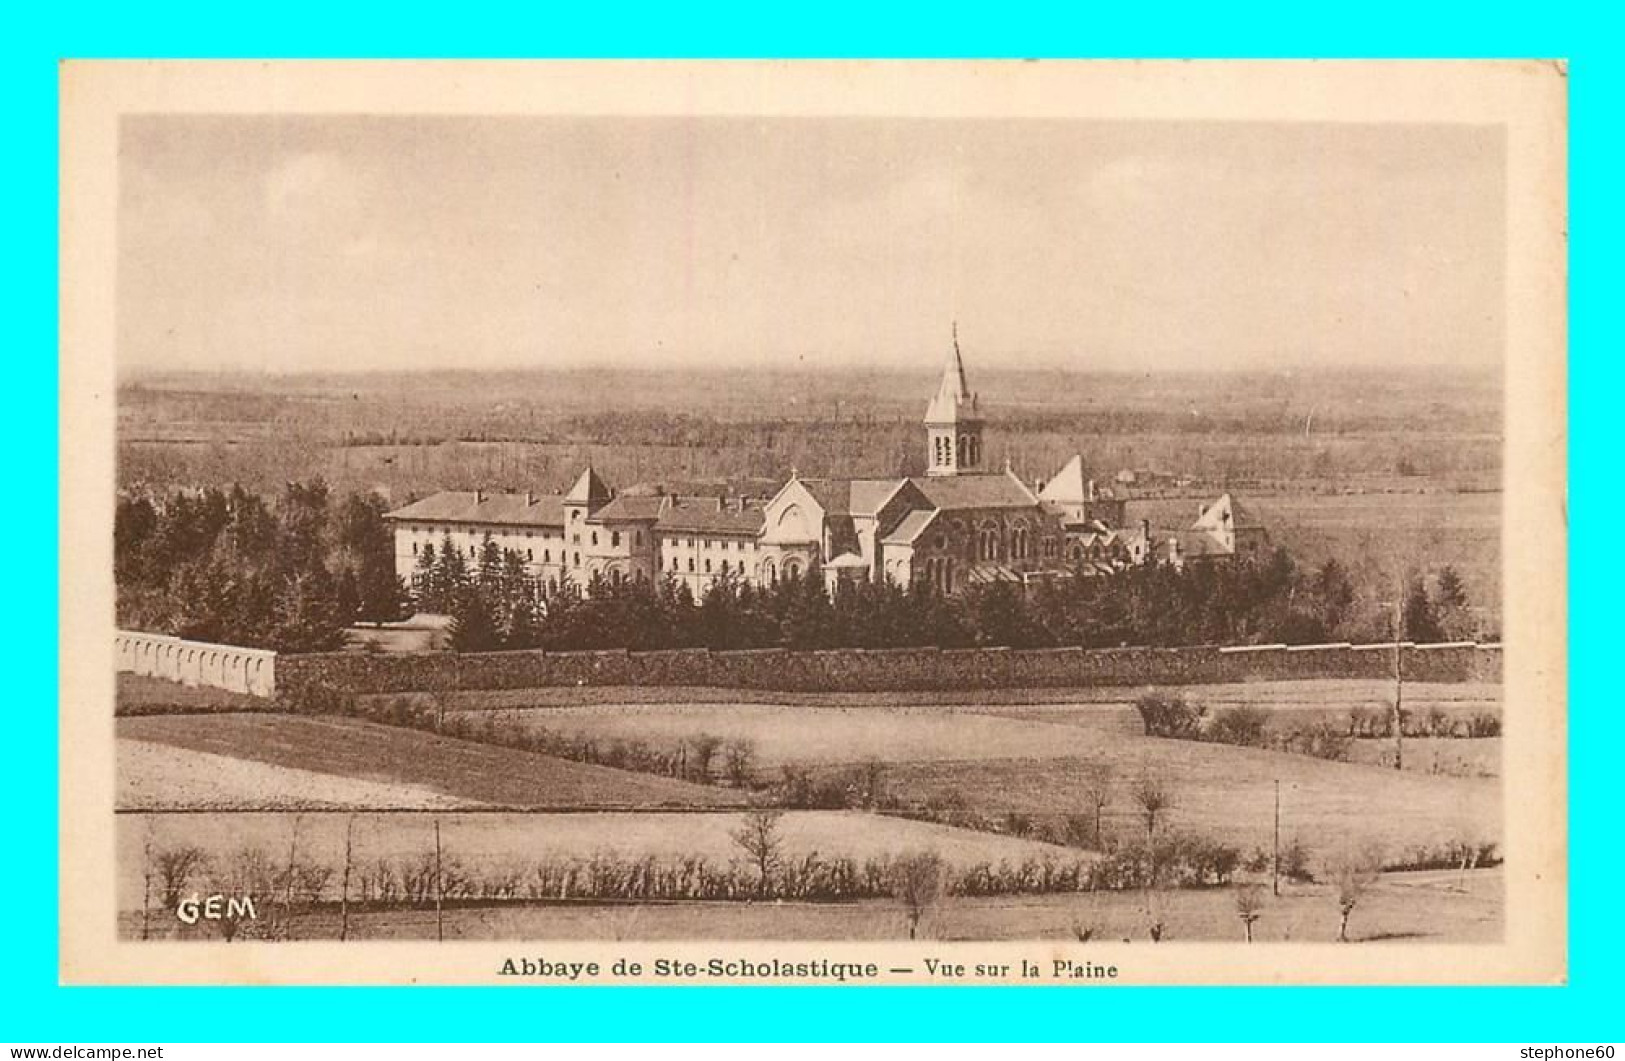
x,y
473,625
426,580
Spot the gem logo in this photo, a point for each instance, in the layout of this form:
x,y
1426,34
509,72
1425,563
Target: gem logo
x,y
216,908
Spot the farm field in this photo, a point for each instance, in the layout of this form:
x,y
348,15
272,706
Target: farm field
x,y
1400,908
854,728
162,777
1039,760
1331,694
1226,793
489,841
1000,762
461,770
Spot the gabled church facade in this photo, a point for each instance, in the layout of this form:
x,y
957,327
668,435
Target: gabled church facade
x,y
956,526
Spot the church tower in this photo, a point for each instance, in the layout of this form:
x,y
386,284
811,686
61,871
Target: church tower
x,y
953,424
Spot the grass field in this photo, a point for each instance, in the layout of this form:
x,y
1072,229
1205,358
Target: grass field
x,y
1401,907
495,840
1039,761
1330,696
1034,759
1228,793
828,728
163,777
390,756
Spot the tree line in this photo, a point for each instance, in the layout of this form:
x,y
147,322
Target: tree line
x,y
494,605
292,572
289,573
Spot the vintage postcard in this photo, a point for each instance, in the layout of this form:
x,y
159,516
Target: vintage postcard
x,y
1046,523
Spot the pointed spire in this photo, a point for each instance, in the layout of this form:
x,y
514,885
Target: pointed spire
x,y
588,490
953,393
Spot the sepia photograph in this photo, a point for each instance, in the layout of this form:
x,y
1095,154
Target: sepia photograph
x,y
814,522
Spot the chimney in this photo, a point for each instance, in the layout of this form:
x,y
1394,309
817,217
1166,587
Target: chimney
x,y
530,499
1091,493
479,495
1145,531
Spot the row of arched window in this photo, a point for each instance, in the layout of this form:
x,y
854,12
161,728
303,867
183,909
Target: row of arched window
x,y
990,543
970,451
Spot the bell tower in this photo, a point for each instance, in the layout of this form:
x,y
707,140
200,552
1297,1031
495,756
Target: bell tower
x,y
953,423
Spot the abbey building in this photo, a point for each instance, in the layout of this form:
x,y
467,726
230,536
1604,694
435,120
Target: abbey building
x,y
960,524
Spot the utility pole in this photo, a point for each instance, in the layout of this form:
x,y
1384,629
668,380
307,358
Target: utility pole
x,y
1276,882
1399,677
439,923
344,887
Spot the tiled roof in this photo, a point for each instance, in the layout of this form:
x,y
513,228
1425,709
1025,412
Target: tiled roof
x,y
709,516
834,496
991,490
1227,511
867,495
589,488
1069,486
628,508
755,487
462,506
911,527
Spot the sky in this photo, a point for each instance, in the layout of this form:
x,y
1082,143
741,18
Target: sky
x,y
348,242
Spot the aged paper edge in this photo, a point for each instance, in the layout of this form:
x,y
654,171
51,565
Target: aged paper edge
x,y
1529,99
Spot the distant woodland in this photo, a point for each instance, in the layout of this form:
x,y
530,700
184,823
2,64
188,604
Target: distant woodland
x,y
1395,475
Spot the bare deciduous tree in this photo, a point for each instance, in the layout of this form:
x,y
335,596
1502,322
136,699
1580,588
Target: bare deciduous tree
x,y
1154,795
176,867
704,747
1249,906
739,758
1352,876
760,839
1097,791
918,880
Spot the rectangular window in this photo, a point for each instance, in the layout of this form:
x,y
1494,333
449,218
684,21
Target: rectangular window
x,y
691,563
615,539
708,567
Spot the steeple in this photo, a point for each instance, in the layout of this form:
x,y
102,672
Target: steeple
x,y
953,393
953,423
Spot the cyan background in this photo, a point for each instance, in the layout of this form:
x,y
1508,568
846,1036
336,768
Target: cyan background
x,y
33,38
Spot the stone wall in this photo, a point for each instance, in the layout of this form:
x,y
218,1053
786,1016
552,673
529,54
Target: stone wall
x,y
240,670
859,670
